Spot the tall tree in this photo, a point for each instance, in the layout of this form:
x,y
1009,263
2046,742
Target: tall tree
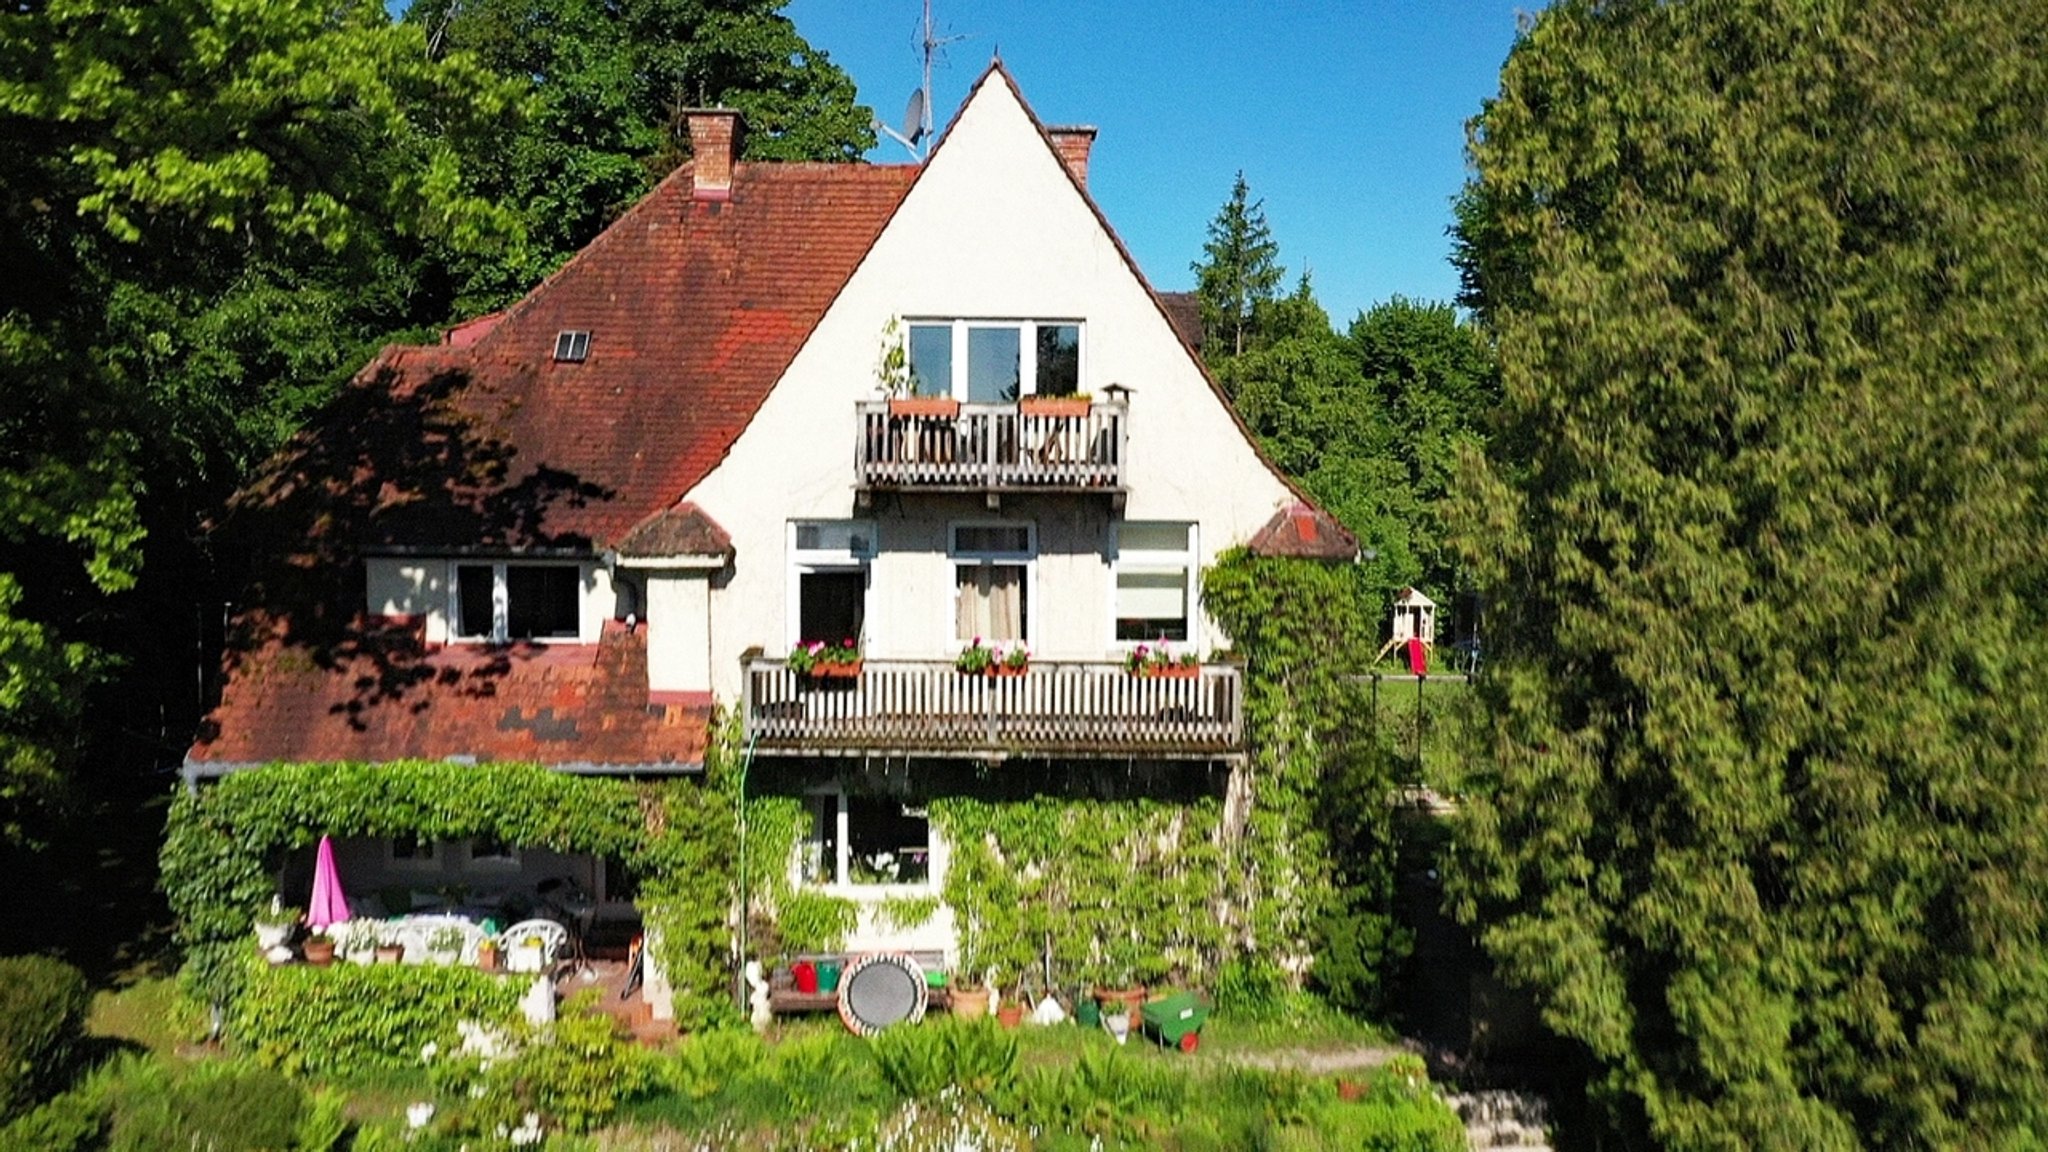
x,y
1240,271
607,82
190,194
1758,806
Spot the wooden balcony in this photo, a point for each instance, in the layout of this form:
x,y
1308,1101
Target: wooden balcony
x,y
1073,709
990,448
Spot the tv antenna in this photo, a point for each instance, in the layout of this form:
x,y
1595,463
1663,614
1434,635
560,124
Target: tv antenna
x,y
916,135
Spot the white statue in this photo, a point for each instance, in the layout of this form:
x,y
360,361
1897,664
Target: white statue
x,y
757,997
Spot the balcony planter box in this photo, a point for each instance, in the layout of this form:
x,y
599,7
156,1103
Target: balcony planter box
x,y
1005,670
1065,406
836,671
931,407
1168,672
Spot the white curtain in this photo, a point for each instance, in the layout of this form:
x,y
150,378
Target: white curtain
x,y
991,602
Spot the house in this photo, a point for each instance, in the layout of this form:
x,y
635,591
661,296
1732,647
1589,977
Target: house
x,y
914,408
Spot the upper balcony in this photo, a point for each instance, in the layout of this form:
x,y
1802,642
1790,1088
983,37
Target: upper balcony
x,y
1039,445
1055,708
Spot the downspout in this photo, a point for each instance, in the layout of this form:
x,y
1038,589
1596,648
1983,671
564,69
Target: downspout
x,y
740,969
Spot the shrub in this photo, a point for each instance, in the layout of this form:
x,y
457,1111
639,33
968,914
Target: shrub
x,y
1253,988
352,1018
43,1002
238,1105
921,1062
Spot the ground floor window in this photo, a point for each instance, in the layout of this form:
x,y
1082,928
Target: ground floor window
x,y
868,840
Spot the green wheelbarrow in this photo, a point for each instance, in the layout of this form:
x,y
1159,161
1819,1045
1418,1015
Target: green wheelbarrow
x,y
1176,1021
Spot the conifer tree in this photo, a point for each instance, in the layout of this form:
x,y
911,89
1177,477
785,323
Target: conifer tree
x,y
1757,808
1240,274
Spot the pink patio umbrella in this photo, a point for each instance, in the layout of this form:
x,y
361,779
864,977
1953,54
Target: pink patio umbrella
x,y
329,904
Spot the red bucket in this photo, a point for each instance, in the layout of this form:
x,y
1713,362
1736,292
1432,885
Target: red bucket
x,y
806,974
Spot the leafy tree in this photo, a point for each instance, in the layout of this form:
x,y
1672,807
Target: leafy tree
x,y
1758,807
608,82
190,195
1240,274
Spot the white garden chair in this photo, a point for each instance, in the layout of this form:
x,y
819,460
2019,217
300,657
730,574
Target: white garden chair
x,y
516,944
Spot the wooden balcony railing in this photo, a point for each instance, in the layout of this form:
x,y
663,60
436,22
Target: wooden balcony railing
x,y
1055,708
992,448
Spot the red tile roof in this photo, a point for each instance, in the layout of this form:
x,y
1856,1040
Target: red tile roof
x,y
394,697
1305,532
694,310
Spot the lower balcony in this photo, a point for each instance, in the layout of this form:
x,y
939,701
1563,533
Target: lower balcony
x,y
1055,708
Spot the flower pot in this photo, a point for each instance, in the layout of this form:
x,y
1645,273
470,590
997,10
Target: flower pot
x,y
1167,671
1130,1001
828,975
1088,1013
1004,670
836,671
1060,406
269,936
487,957
319,952
390,953
971,1003
928,407
1011,1014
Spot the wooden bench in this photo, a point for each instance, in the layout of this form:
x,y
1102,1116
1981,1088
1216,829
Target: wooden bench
x,y
787,1001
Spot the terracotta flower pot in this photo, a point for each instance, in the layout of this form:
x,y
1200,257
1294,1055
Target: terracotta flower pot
x,y
319,952
1010,1015
1061,406
390,953
1167,671
971,1003
836,671
938,407
1008,669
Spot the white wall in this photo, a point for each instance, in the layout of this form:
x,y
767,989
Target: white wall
x,y
993,229
678,631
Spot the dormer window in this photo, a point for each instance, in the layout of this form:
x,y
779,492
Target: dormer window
x,y
994,361
496,603
572,345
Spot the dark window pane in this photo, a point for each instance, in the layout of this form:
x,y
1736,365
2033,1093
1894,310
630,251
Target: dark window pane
x,y
830,605
889,842
1059,359
824,863
931,359
993,359
541,601
473,599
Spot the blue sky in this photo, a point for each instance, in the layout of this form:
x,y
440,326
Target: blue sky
x,y
1346,116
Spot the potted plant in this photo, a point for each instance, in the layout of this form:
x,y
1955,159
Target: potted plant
x,y
274,924
975,659
487,955
390,950
821,661
1162,662
1070,406
894,380
526,954
1012,661
970,998
444,944
1010,1013
354,940
319,949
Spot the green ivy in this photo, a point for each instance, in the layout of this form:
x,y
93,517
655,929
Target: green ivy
x,y
350,1017
223,844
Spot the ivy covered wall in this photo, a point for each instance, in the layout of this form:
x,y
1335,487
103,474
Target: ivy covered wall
x,y
225,843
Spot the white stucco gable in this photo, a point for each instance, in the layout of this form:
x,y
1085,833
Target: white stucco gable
x,y
994,228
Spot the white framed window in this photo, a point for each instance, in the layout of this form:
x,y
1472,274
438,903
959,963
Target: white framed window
x,y
828,580
1154,571
869,842
995,361
994,576
495,602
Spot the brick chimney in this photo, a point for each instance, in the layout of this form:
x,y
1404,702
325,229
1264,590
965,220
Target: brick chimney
x,y
1074,141
714,142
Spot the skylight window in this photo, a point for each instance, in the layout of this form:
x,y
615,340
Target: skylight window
x,y
572,345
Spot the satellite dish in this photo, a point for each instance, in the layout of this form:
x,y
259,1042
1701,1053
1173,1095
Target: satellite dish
x,y
913,116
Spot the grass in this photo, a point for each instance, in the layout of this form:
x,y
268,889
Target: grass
x,y
151,1013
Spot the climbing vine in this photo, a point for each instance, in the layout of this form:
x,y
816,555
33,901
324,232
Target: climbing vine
x,y
225,842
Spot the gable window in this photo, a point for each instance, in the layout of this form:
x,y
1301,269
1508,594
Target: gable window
x,y
828,580
992,571
995,361
572,346
1155,581
500,602
868,841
